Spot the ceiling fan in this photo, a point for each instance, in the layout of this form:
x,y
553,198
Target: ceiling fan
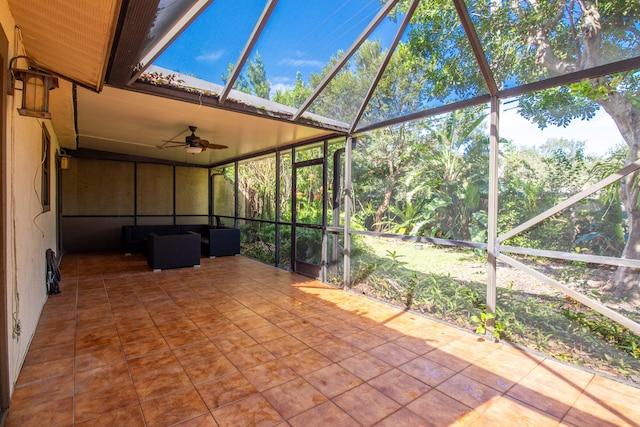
x,y
193,143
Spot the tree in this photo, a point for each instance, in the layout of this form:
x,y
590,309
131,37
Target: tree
x,y
255,82
295,96
257,77
529,40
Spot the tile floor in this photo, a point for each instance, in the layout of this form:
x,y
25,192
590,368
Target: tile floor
x,y
239,343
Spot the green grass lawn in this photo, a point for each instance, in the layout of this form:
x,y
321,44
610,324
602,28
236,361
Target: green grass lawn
x,y
450,284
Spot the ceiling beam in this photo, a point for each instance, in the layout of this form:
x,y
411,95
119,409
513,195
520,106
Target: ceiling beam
x,y
482,99
347,55
136,18
179,24
385,62
248,48
476,46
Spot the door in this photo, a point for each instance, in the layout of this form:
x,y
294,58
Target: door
x,y
309,217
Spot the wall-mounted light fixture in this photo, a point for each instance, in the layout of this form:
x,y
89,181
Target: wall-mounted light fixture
x,y
36,85
63,160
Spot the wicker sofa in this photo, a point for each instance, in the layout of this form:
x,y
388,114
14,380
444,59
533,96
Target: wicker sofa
x,y
173,250
214,240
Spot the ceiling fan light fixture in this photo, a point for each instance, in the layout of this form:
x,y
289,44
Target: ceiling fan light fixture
x,y
194,149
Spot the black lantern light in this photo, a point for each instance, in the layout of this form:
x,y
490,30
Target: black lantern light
x,y
36,85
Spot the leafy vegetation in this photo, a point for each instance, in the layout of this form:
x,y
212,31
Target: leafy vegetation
x,y
449,284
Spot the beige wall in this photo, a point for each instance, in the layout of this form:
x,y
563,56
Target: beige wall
x,y
98,187
100,196
28,230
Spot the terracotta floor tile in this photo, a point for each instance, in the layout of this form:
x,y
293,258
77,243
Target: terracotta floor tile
x,y
139,334
333,380
296,325
427,371
99,357
193,352
419,346
364,340
365,366
233,342
284,346
294,397
551,387
508,411
49,413
255,410
104,320
253,321
366,404
459,354
393,354
220,330
39,392
323,415
399,386
404,417
606,402
133,324
225,390
315,337
102,377
203,370
306,361
139,348
337,350
452,362
441,410
205,420
96,344
177,327
161,382
48,354
187,326
45,370
126,417
250,356
96,332
467,391
93,404
385,332
186,338
338,328
278,315
173,408
151,363
502,368
266,333
269,375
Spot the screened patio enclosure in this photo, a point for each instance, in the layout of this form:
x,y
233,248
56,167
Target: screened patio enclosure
x,y
482,161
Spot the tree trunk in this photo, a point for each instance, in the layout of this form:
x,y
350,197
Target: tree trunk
x,y
627,118
388,192
624,114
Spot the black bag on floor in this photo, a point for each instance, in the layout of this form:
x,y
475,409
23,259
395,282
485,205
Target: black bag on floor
x,y
53,273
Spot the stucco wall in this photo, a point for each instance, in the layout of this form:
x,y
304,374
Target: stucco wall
x,y
100,196
28,230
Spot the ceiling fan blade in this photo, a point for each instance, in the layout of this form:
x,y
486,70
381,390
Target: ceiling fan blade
x,y
167,142
212,146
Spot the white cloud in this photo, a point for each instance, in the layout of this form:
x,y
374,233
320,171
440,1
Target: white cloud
x,y
600,133
292,62
282,87
210,56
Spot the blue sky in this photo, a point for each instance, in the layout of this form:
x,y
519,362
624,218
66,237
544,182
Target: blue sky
x,y
300,36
